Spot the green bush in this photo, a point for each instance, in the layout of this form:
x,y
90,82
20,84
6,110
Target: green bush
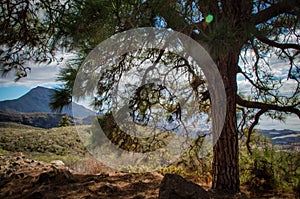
x,y
269,167
65,121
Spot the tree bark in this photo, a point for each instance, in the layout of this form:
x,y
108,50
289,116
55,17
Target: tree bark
x,y
225,161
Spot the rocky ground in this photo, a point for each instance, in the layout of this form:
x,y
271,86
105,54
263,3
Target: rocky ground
x,y
29,179
24,178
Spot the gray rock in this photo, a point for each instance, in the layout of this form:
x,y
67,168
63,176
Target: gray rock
x,y
176,187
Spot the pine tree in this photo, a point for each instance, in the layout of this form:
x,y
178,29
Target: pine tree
x,y
229,29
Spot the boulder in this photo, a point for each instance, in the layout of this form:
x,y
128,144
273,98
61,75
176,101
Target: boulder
x,y
176,187
57,163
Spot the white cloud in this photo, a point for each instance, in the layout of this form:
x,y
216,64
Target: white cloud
x,y
291,122
40,75
244,87
288,87
279,69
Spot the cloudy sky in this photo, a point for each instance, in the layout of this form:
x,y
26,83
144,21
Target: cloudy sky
x,y
45,75
40,75
279,68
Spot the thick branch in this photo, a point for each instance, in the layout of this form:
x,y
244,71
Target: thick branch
x,y
284,6
263,109
256,120
277,45
267,107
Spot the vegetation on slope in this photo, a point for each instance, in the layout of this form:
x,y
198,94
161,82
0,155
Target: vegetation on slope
x,y
268,169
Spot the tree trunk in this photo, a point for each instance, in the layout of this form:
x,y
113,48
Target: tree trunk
x,y
225,161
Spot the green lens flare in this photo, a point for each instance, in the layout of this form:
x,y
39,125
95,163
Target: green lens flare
x,y
209,18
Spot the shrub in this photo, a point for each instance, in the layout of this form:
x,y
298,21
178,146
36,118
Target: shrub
x,y
269,167
65,121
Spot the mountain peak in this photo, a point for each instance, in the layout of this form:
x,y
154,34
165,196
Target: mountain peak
x,y
41,87
37,100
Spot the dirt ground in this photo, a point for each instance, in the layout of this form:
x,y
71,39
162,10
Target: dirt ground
x,y
24,178
29,179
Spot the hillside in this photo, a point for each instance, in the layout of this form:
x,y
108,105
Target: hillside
x,y
24,178
37,100
41,120
38,171
53,163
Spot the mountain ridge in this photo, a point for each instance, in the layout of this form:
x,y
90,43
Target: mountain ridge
x,y
37,100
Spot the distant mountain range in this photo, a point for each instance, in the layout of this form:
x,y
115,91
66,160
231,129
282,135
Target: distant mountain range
x,y
37,101
286,138
33,109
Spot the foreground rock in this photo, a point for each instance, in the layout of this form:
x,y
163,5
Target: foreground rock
x,y
24,178
175,187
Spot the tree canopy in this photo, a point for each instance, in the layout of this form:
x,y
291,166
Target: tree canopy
x,y
241,36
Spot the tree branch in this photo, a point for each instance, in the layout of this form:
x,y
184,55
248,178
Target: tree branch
x,y
263,109
267,107
251,81
255,122
275,10
276,44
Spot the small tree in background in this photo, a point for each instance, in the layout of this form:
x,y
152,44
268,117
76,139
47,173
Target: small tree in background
x,y
65,121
